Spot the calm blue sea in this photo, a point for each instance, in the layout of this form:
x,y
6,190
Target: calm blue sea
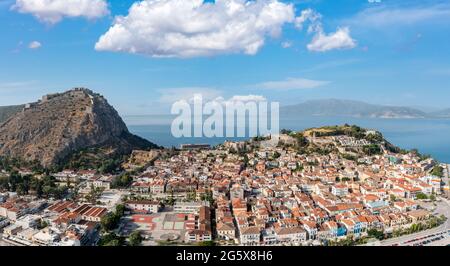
x,y
429,136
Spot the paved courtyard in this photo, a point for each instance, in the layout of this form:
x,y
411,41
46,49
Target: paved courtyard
x,y
156,227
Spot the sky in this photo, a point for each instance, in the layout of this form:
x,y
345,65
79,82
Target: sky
x,y
144,55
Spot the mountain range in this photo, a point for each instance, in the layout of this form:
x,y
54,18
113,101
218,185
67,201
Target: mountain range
x,y
350,108
442,114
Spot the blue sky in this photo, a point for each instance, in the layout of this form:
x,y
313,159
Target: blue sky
x,y
384,52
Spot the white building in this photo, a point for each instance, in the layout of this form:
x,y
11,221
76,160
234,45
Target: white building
x,y
291,236
146,206
250,236
190,207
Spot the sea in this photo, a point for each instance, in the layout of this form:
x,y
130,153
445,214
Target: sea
x,y
429,136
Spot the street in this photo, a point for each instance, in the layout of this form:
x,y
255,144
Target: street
x,y
442,207
3,243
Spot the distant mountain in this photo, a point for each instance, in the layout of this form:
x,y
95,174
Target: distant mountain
x,y
52,129
336,107
441,114
8,111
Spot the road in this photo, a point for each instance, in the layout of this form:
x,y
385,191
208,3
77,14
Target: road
x,y
446,178
442,207
3,243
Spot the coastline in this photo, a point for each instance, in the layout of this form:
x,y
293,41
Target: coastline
x,y
429,136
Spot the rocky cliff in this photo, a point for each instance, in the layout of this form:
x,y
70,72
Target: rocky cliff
x,y
53,128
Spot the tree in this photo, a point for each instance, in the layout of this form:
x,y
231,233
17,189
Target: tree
x,y
135,239
36,185
43,224
4,183
421,196
392,197
111,220
376,234
372,149
208,196
276,155
111,240
120,210
192,195
122,181
94,194
432,197
108,222
438,171
14,180
207,244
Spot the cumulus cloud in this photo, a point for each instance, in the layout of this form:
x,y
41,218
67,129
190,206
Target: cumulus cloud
x,y
34,45
292,84
190,28
340,39
321,41
308,15
189,94
53,11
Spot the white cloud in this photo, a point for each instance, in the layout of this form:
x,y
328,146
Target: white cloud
x,y
188,94
286,44
172,95
292,84
308,15
191,28
340,39
247,98
382,16
53,11
321,41
34,45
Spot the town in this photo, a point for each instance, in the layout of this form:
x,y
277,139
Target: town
x,y
340,185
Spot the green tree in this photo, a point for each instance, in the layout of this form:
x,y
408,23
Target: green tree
x,y
392,197
207,244
372,149
108,222
122,181
4,183
120,210
375,234
135,239
111,239
94,194
421,196
438,171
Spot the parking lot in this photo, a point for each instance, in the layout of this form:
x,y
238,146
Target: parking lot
x,y
430,240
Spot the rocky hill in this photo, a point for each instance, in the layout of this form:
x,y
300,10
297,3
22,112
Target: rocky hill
x,y
8,111
58,125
